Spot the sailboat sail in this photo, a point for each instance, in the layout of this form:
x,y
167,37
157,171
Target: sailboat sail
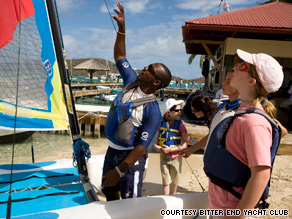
x,y
29,69
33,81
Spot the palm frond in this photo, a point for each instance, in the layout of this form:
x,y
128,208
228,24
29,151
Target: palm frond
x,y
191,58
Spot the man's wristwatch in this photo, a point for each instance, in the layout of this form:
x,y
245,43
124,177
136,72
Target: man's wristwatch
x,y
119,172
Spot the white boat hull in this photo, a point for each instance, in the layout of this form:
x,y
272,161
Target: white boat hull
x,y
144,207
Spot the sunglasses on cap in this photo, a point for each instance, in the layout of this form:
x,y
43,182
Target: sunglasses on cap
x,y
243,67
176,110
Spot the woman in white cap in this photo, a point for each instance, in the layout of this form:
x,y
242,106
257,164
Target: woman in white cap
x,y
169,143
249,137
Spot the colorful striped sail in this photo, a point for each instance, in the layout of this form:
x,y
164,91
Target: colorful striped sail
x,y
31,96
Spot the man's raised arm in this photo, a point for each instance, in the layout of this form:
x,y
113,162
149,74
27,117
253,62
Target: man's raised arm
x,y
120,44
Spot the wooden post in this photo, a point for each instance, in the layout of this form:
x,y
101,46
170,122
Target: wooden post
x,y
87,130
97,127
80,122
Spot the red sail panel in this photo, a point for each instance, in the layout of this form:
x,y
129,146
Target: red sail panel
x,y
9,17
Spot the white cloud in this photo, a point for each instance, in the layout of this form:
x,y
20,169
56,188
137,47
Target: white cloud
x,y
207,5
202,5
90,43
68,5
135,6
147,43
158,43
104,9
182,18
155,43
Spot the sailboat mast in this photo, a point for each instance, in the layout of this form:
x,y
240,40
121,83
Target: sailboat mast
x,y
68,97
63,73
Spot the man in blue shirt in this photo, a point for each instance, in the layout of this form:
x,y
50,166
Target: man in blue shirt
x,y
124,164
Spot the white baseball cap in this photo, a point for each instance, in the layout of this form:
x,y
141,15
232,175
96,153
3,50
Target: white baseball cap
x,y
269,70
170,103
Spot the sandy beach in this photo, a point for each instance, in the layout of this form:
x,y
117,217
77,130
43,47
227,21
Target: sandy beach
x,y
193,178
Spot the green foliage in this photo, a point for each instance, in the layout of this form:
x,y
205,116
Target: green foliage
x,y
191,58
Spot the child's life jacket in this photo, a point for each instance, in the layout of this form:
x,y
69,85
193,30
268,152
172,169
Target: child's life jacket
x,y
119,126
225,170
169,136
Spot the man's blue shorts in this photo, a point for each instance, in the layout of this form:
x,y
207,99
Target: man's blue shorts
x,y
130,185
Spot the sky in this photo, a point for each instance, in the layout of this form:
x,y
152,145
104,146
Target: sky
x,y
153,30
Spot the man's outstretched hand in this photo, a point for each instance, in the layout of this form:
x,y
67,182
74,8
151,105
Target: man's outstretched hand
x,y
121,17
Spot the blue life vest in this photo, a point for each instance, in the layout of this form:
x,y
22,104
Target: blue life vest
x,y
225,170
169,135
118,126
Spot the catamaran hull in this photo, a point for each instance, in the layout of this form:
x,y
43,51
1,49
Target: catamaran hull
x,y
145,207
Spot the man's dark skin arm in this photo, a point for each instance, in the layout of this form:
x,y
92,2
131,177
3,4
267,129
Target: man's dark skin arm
x,y
113,176
120,44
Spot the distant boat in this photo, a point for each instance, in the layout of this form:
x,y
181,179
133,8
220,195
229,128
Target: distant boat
x,y
172,82
103,97
103,87
116,91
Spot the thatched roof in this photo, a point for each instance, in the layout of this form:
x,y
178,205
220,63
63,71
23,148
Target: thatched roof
x,y
92,65
76,72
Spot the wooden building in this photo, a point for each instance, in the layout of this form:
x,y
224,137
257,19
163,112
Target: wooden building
x,y
265,28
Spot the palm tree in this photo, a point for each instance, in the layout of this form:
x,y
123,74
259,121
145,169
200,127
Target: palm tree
x,y
202,58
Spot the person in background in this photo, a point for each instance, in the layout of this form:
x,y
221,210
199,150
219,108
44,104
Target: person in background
x,y
225,107
169,143
204,107
220,95
286,106
124,164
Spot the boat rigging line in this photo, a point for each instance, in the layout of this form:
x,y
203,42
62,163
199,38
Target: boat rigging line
x,y
193,172
8,212
110,16
43,187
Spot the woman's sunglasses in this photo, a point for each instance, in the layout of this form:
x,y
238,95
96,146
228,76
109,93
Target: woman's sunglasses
x,y
177,110
243,67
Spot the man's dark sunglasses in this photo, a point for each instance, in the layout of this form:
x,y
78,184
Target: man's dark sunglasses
x,y
151,69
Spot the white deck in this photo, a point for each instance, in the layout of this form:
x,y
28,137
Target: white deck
x,y
92,108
